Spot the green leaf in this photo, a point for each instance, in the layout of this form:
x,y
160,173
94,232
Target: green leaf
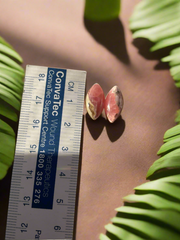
x,y
11,63
177,84
160,187
9,98
172,132
121,233
5,43
4,127
166,43
155,18
177,119
144,5
103,237
18,83
6,159
101,10
11,88
159,32
170,179
9,51
175,70
152,200
150,230
146,8
176,77
7,143
170,160
174,62
155,216
175,51
11,85
171,138
5,88
173,59
169,146
16,74
8,111
3,170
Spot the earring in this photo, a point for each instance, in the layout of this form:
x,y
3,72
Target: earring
x,y
110,107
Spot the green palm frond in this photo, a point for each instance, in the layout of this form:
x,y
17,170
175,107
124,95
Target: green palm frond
x,y
11,87
159,21
153,211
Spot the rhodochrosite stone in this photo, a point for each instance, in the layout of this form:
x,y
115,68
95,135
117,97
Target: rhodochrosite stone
x,y
113,104
95,101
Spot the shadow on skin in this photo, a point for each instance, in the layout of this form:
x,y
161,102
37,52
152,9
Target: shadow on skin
x,y
111,35
114,130
144,45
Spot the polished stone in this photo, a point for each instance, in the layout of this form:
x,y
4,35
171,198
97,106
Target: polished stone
x,y
113,104
95,101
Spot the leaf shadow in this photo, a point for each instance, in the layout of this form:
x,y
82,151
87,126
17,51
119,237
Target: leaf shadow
x,y
114,131
111,35
143,45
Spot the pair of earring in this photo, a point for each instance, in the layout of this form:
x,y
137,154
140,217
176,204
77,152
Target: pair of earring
x,y
109,107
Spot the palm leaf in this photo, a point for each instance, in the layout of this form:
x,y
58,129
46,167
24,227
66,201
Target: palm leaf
x,y
151,201
5,43
103,237
16,89
11,63
145,229
11,87
4,48
7,143
4,127
125,234
159,22
169,146
172,132
3,170
168,161
158,216
146,8
16,74
8,111
9,97
177,119
154,18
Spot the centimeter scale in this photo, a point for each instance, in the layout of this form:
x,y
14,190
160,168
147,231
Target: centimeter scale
x,y
45,171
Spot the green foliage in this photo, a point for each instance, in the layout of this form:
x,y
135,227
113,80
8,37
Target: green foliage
x,y
102,10
153,211
159,22
11,87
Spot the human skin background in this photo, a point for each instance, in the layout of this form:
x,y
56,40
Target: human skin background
x,y
115,157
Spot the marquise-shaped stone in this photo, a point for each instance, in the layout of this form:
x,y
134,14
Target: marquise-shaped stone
x,y
113,104
95,101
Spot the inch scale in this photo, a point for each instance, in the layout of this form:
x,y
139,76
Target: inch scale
x,y
45,171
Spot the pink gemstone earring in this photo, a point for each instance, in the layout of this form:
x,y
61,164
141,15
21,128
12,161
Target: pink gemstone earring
x,y
110,107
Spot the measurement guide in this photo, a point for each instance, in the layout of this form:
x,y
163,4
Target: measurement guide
x,y
45,171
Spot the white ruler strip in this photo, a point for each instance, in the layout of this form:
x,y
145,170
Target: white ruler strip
x,y
44,179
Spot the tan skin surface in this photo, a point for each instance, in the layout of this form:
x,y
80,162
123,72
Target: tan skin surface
x,y
115,157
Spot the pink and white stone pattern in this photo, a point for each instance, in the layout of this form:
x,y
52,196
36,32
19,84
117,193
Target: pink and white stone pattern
x,y
95,101
113,104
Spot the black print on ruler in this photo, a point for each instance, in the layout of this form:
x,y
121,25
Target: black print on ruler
x,y
47,157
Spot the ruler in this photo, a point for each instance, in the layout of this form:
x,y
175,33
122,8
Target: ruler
x,y
45,171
